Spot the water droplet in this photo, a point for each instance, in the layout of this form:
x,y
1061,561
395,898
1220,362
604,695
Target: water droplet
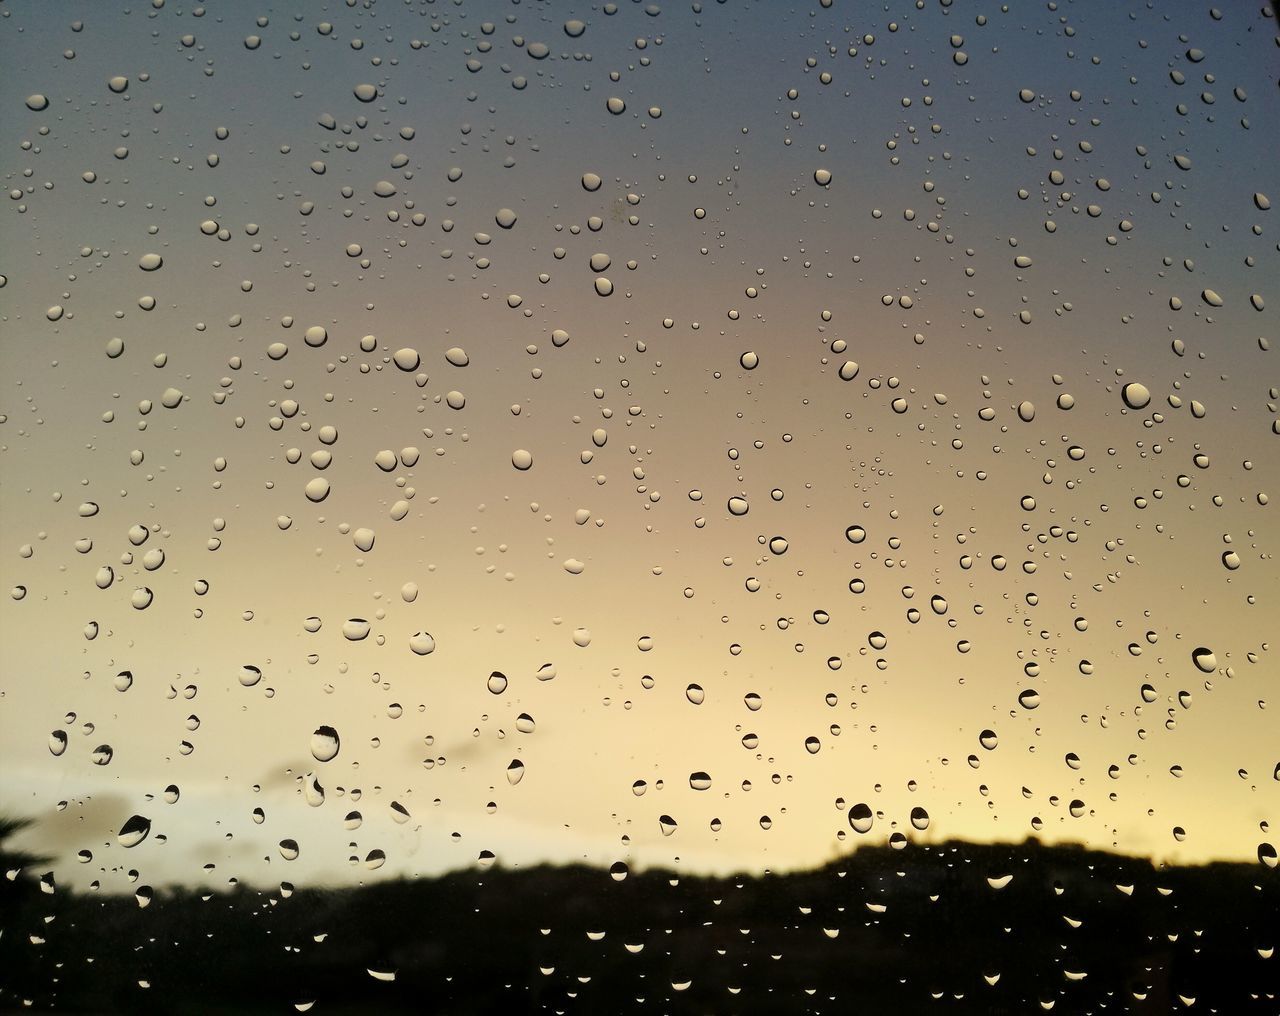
x,y
134,831
522,459
861,818
919,819
749,360
407,359
312,791
497,682
422,644
515,771
37,102
1204,659
290,850
57,742
325,744
1135,395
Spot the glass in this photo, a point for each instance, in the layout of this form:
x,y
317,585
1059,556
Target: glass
x,y
683,507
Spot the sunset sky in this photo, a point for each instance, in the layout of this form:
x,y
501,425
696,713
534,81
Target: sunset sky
x,y
855,404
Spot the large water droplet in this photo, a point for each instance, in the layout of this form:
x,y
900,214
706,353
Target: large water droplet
x,y
134,831
861,818
325,744
1135,395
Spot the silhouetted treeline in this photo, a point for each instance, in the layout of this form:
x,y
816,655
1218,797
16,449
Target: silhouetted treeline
x,y
921,930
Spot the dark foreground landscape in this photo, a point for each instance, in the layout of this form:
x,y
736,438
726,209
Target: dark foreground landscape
x,y
926,929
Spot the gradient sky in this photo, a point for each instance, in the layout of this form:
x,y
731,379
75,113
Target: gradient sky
x,y
1026,210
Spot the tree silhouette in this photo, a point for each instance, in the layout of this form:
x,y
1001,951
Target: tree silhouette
x,y
14,863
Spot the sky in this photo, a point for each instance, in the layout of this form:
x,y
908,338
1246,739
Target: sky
x,y
796,408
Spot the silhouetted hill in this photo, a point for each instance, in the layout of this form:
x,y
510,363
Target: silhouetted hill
x,y
954,928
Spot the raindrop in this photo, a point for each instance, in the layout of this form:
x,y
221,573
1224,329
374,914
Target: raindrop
x,y
1135,395
134,831
325,744
861,818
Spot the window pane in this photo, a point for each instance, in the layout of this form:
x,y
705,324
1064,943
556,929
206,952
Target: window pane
x,y
683,507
